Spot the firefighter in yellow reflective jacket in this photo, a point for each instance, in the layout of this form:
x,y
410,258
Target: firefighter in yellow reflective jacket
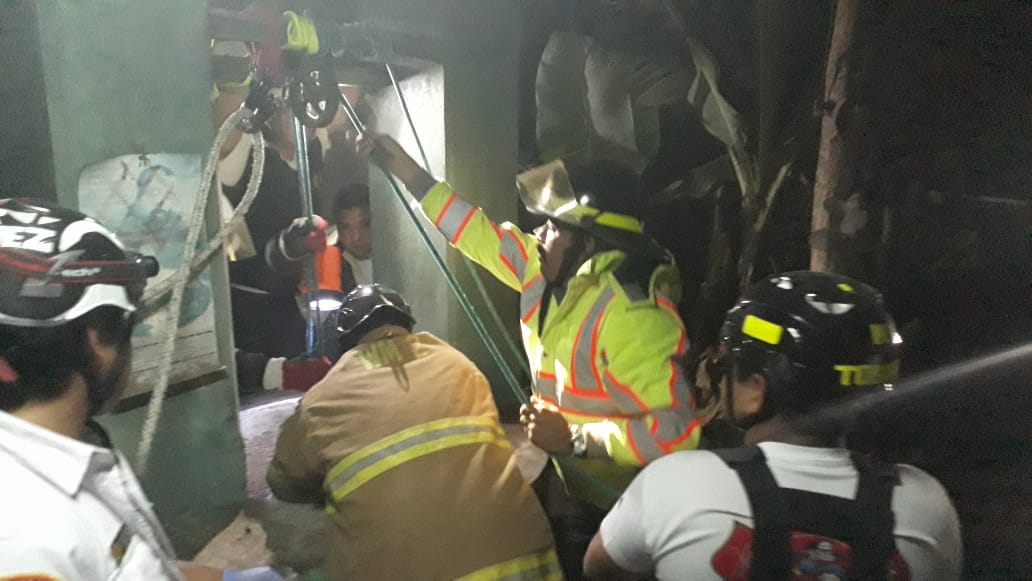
x,y
597,312
403,442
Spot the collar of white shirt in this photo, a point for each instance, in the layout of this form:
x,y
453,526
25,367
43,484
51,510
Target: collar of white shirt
x,y
58,459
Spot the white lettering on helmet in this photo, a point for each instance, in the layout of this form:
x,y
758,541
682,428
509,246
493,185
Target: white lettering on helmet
x,y
79,272
28,238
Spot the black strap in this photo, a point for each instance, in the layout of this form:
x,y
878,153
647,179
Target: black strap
x,y
875,542
866,523
771,558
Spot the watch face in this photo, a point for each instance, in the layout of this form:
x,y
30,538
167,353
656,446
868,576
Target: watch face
x,y
580,445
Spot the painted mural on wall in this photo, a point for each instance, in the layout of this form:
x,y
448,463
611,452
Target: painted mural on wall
x,y
147,200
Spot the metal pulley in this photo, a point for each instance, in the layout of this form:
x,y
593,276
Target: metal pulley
x,y
312,93
262,104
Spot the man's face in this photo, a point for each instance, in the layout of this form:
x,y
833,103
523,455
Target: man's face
x,y
554,242
355,236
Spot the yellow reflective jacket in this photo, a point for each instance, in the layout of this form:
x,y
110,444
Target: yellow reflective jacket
x,y
607,355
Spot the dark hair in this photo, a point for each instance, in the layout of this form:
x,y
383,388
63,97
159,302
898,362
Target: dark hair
x,y
827,430
352,196
46,359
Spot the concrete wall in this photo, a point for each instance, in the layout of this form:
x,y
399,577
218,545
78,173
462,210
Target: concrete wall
x,y
132,76
25,165
466,111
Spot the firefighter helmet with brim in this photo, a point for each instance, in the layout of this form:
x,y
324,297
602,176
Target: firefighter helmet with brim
x,y
601,198
547,190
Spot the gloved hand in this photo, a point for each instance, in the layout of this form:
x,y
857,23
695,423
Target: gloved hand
x,y
255,574
301,373
303,236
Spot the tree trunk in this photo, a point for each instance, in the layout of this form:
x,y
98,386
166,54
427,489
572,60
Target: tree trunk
x,y
838,215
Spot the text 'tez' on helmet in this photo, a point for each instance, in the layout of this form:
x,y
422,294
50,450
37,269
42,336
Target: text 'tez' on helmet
x,y
602,197
57,265
368,307
815,337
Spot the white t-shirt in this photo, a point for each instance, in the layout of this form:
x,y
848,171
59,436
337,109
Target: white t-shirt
x,y
687,516
362,270
74,512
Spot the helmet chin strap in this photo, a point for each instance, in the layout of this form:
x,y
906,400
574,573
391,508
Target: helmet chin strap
x,y
572,260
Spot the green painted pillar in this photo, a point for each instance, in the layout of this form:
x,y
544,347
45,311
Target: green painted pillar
x,y
111,78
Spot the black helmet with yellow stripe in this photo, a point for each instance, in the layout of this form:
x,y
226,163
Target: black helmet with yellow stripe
x,y
601,197
815,337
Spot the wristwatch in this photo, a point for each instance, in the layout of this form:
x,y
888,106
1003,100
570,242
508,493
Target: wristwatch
x,y
579,442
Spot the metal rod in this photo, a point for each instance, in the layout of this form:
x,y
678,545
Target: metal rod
x,y
453,283
515,351
311,281
408,116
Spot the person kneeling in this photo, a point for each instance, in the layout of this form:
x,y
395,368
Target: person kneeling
x,y
402,441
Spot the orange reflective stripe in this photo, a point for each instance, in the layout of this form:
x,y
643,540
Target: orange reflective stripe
x,y
530,314
607,412
623,393
462,226
632,441
677,381
512,253
530,297
444,209
519,244
508,265
666,303
669,446
534,280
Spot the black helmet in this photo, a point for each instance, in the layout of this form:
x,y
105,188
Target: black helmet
x,y
368,307
56,265
603,197
815,337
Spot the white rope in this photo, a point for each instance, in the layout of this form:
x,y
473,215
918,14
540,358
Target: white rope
x,y
190,266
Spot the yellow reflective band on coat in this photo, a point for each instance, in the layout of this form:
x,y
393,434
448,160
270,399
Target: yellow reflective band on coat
x,y
362,466
862,375
542,566
765,331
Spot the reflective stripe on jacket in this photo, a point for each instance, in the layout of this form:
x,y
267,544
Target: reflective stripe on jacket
x,y
402,440
608,354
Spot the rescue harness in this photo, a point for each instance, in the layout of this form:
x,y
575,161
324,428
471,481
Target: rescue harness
x,y
866,523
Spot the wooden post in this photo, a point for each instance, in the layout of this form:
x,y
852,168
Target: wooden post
x,y
836,178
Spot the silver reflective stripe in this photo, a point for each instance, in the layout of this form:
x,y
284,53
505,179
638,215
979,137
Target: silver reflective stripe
x,y
453,218
642,440
530,298
592,406
673,423
513,252
583,377
545,386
